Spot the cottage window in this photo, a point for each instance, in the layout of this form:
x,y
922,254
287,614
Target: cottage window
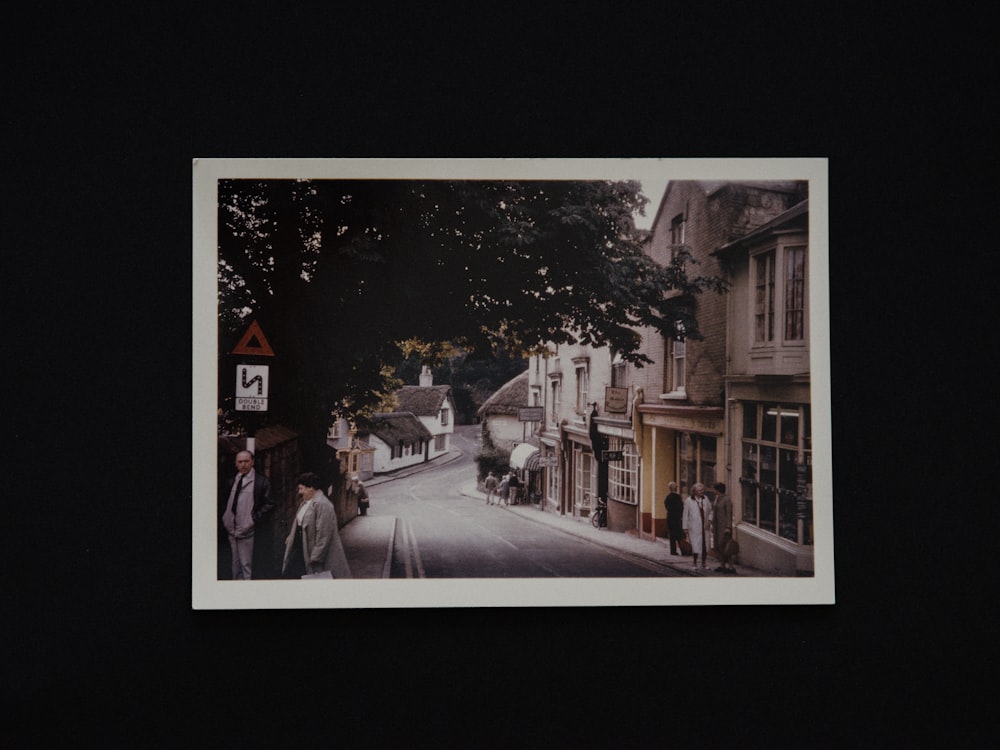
x,y
440,442
444,417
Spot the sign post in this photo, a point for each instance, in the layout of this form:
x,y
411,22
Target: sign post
x,y
252,376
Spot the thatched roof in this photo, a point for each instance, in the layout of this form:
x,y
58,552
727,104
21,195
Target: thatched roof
x,y
399,427
511,396
424,401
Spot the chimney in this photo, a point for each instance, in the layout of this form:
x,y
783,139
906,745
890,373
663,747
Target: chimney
x,y
426,379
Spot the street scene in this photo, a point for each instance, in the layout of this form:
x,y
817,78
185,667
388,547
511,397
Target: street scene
x,y
444,529
517,379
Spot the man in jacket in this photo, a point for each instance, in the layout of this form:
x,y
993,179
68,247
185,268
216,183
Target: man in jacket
x,y
247,509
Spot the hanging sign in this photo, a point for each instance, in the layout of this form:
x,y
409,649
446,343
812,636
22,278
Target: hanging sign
x,y
615,400
251,387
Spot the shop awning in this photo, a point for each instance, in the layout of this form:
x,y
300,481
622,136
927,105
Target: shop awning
x,y
519,456
532,463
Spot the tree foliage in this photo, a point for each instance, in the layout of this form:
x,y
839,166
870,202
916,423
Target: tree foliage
x,y
338,272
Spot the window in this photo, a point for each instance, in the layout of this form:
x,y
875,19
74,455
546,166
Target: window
x,y
440,442
696,461
552,484
334,432
676,234
779,299
582,386
795,293
444,417
675,371
584,485
556,400
776,477
622,474
764,298
619,372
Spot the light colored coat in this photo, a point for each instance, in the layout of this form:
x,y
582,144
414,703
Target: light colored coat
x,y
321,545
692,523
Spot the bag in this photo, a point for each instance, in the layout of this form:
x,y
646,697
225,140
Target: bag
x,y
685,546
732,549
321,574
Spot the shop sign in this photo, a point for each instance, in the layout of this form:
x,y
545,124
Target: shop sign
x,y
615,400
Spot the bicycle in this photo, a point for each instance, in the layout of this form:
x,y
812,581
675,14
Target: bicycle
x,y
599,518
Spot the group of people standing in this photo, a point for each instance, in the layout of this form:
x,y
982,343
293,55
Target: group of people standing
x,y
312,548
702,523
503,490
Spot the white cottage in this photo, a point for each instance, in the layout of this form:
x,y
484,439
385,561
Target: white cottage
x,y
434,406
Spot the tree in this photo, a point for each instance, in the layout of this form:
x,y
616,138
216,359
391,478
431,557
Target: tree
x,y
337,272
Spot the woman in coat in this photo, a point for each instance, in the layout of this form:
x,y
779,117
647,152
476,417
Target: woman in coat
x,y
697,516
313,545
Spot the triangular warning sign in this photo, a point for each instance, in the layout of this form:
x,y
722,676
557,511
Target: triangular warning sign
x,y
261,348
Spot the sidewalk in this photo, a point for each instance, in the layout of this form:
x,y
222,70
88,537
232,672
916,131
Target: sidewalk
x,y
657,552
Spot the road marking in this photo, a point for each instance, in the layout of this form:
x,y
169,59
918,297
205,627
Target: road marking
x,y
410,549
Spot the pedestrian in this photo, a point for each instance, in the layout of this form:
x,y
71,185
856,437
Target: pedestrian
x,y
360,494
491,487
313,544
514,483
697,517
675,516
504,489
247,509
722,528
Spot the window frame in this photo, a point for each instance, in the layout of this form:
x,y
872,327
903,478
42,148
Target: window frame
x,y
778,291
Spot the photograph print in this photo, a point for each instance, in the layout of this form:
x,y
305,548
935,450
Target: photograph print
x,y
510,382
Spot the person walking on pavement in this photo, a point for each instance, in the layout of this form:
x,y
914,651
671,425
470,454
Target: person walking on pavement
x,y
504,489
491,487
675,516
697,517
247,508
313,544
722,528
514,483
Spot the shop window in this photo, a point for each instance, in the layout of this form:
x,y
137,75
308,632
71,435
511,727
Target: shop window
x,y
584,479
622,475
696,461
776,475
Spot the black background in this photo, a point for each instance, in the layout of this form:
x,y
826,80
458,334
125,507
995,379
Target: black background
x,y
104,112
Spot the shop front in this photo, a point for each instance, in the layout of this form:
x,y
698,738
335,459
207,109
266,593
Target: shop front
x,y
682,444
772,435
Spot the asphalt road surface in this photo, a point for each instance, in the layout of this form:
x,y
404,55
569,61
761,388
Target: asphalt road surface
x,y
441,533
